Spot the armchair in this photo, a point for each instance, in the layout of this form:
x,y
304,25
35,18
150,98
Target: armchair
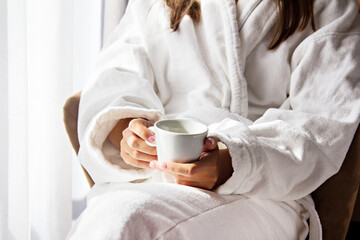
x,y
334,199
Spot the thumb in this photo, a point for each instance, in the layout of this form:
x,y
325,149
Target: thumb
x,y
210,144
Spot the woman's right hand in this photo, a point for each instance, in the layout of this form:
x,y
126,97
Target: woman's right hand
x,y
133,148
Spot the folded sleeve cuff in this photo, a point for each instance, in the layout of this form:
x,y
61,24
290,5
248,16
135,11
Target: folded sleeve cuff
x,y
238,139
93,155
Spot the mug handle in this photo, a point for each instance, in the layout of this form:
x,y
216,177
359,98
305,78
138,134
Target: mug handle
x,y
152,128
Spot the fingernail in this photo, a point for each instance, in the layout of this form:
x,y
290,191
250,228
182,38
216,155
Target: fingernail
x,y
212,141
163,166
151,139
152,164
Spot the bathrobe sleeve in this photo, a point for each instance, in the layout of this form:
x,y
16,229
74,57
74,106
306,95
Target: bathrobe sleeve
x,y
122,86
288,152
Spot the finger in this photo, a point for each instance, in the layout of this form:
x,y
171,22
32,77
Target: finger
x,y
140,128
210,144
192,180
134,162
184,169
177,177
142,156
137,154
203,155
138,144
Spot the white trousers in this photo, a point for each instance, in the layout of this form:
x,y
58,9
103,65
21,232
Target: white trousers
x,y
170,211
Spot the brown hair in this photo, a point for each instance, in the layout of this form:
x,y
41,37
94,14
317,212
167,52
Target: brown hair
x,y
179,8
293,16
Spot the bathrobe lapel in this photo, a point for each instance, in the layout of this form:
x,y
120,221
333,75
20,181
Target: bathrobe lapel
x,y
255,22
239,97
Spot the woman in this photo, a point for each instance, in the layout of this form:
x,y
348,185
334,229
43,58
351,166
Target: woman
x,y
281,98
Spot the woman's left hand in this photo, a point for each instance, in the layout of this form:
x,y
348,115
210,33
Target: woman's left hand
x,y
211,170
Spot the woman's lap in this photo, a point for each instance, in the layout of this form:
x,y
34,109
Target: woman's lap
x,y
171,211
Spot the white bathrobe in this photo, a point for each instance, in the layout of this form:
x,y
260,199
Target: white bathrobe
x,y
287,115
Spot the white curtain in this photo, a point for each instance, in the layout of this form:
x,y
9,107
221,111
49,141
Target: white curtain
x,y
47,48
93,23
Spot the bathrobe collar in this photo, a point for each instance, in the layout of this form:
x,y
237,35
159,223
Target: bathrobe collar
x,y
255,21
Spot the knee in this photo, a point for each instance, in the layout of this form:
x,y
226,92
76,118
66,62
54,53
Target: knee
x,y
145,222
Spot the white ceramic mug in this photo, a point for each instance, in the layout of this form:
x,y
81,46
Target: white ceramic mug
x,y
179,140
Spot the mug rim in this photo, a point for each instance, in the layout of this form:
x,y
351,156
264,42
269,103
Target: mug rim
x,y
182,119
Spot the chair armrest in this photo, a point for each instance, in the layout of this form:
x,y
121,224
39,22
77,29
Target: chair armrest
x,y
335,198
356,213
71,110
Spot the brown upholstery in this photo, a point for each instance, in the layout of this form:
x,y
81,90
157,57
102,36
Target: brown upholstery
x,y
334,199
356,213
